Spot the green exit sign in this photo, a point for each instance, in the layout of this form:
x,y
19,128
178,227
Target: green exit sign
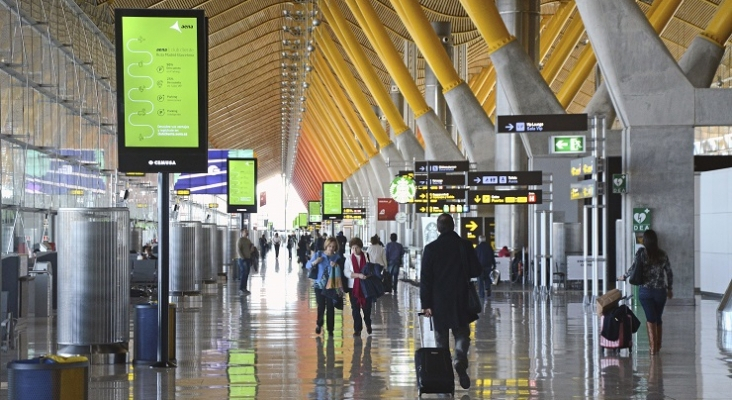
x,y
567,144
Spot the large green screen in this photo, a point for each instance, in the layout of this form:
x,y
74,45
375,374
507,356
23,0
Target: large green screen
x,y
314,215
160,61
332,200
242,185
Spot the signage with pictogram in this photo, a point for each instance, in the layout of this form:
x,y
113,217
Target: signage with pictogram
x,y
504,178
620,183
499,197
471,228
441,166
439,194
583,190
541,123
441,179
642,219
354,213
567,144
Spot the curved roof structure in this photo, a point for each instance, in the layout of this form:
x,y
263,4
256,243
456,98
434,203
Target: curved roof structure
x,y
259,59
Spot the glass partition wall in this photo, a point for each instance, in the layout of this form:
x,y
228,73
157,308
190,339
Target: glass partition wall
x,y
57,117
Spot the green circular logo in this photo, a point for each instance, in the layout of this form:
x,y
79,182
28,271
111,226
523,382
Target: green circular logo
x,y
402,189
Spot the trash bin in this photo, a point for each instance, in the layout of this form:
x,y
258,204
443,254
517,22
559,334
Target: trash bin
x,y
146,333
49,378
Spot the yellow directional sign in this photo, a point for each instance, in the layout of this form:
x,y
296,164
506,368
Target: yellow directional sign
x,y
76,192
471,225
471,228
213,205
479,197
183,192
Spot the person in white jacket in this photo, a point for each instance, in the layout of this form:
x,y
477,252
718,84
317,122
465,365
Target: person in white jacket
x,y
377,255
353,270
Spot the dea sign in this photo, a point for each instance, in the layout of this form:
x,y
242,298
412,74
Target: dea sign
x,y
403,189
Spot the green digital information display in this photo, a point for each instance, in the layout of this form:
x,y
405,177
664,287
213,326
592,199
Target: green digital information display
x,y
242,185
302,220
333,200
162,89
160,61
314,215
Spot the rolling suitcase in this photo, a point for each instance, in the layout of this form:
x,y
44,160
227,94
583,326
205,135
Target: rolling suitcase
x,y
434,369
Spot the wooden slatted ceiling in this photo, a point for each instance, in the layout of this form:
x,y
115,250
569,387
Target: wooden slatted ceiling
x,y
245,75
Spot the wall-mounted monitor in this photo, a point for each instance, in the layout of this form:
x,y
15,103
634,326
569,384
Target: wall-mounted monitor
x,y
242,183
332,196
314,215
162,90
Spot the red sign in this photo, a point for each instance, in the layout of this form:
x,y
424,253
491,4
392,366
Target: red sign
x,y
388,209
263,199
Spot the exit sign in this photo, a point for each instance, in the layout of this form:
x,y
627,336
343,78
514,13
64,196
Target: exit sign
x,y
567,144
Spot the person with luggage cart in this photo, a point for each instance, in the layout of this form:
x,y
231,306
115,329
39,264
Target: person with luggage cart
x,y
657,286
448,264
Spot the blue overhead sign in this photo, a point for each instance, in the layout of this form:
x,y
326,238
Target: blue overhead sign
x,y
541,123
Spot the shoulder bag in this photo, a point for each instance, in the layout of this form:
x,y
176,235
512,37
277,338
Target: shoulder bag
x,y
638,275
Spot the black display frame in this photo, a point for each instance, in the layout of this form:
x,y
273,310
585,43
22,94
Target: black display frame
x,y
330,217
239,208
163,159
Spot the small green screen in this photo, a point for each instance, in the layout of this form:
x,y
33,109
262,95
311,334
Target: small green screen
x,y
332,198
242,182
160,63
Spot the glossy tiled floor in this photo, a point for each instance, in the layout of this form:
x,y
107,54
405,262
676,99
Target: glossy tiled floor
x,y
264,346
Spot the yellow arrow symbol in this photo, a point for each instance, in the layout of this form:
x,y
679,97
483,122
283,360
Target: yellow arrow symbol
x,y
422,196
423,209
472,226
477,199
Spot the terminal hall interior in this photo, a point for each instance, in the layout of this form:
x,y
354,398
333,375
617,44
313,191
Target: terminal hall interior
x,y
140,137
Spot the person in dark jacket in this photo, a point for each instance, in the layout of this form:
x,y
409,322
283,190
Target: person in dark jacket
x,y
448,264
487,259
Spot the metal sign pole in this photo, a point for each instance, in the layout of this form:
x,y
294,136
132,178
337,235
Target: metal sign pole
x,y
163,272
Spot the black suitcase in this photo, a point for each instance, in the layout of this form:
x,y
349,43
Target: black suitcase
x,y
434,370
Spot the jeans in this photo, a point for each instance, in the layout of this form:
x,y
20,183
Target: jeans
x,y
277,250
484,283
244,267
323,304
462,343
394,271
356,313
653,302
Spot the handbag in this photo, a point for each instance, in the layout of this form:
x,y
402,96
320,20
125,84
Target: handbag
x,y
372,287
313,270
638,275
474,304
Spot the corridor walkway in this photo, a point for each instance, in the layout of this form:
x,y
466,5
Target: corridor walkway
x,y
264,346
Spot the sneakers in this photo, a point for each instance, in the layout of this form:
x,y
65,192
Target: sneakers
x,y
318,330
463,376
244,292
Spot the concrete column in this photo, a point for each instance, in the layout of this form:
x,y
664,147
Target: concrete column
x,y
522,21
658,107
432,88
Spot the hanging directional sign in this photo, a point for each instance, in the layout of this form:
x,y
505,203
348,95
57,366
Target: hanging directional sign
x,y
441,194
443,207
441,166
583,166
620,183
441,179
471,228
583,190
567,144
504,178
541,123
478,197
354,213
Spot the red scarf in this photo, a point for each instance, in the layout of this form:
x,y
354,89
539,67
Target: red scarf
x,y
357,268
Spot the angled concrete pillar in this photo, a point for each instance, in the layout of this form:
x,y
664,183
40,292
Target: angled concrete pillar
x,y
657,106
438,144
432,88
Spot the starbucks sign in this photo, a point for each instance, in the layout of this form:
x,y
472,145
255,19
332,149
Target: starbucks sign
x,y
402,189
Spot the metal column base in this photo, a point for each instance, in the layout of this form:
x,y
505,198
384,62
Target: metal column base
x,y
115,353
209,287
222,278
183,300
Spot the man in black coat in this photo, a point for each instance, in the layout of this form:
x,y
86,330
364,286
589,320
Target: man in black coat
x,y
487,260
448,263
